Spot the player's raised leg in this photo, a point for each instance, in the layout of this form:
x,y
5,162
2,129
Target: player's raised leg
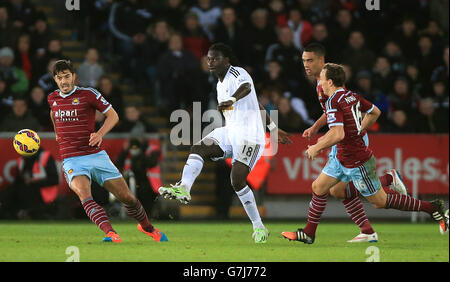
x,y
365,180
320,187
119,188
81,185
435,208
205,149
239,173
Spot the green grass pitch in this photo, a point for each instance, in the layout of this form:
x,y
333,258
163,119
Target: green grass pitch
x,y
228,241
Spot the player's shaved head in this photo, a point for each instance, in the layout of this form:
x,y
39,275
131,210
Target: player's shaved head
x,y
316,48
313,58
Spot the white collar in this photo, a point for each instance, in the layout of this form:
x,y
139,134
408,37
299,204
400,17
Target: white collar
x,y
68,94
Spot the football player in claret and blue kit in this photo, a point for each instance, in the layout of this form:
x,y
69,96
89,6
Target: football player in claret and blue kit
x,y
83,158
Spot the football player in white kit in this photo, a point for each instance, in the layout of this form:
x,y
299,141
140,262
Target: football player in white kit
x,y
242,138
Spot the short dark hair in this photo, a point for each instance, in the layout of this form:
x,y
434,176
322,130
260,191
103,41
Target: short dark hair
x,y
317,48
62,65
226,51
336,73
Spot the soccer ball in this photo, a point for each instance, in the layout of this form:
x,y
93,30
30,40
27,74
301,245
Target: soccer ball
x,y
26,142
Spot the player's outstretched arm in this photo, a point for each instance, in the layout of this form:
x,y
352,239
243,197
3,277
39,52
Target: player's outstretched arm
x,y
312,131
112,118
332,137
370,118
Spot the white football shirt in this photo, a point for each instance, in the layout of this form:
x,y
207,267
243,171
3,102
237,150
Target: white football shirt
x,y
243,119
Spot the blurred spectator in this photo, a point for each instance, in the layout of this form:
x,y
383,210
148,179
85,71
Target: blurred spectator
x,y
277,13
128,20
301,28
431,120
357,55
376,96
244,8
230,31
340,28
438,37
208,14
37,104
112,94
135,160
399,123
46,81
174,12
98,23
299,106
288,119
156,44
416,85
259,35
195,39
393,52
22,13
16,80
285,52
20,118
275,76
427,60
383,76
177,71
349,77
52,52
401,97
23,58
33,190
314,11
8,33
90,71
40,35
442,72
6,100
439,12
320,35
406,37
133,123
264,99
440,97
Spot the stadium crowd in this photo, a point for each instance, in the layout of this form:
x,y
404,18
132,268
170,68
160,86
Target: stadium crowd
x,y
397,57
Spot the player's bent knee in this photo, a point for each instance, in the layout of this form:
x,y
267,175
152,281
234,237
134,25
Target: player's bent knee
x,y
315,187
81,185
238,185
337,193
378,204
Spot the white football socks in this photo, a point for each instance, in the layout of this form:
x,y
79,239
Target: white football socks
x,y
191,170
248,201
